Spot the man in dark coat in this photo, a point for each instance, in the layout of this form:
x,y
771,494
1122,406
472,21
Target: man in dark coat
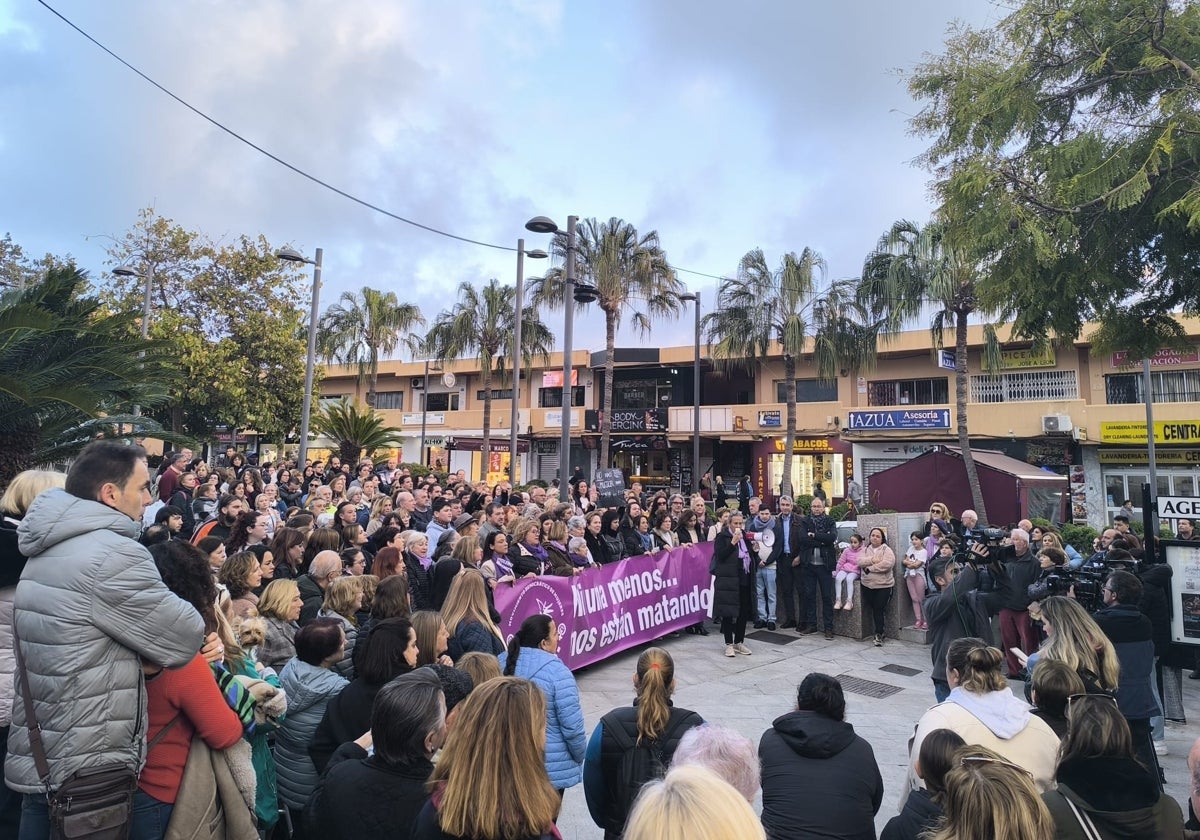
x,y
744,492
814,751
1132,634
788,581
818,534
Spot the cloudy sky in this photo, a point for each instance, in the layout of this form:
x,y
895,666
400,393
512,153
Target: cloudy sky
x,y
724,126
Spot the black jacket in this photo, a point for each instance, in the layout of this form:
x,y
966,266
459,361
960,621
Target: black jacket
x,y
824,531
420,585
731,576
314,597
364,797
835,770
784,554
1133,636
920,814
347,717
598,547
427,828
1120,797
1013,585
956,612
1156,604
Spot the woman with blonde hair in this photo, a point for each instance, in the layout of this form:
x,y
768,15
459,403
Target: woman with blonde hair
x,y
1074,639
18,496
481,667
1051,539
651,725
987,796
432,638
691,803
490,782
983,710
468,618
279,606
343,599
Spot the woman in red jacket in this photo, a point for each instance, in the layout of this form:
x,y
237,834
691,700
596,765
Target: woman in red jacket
x,y
187,700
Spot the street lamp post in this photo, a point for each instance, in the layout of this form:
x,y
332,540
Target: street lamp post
x,y
292,255
518,313
695,396
148,275
543,225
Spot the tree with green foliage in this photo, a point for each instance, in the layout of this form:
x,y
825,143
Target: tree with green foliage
x,y
482,324
789,307
912,270
18,270
70,372
232,316
362,327
1066,140
357,433
632,277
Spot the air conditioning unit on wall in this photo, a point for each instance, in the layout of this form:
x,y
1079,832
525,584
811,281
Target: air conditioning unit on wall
x,y
417,383
1056,424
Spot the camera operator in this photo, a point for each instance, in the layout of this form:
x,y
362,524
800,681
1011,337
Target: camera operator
x,y
953,610
1101,545
1054,578
1132,635
1015,568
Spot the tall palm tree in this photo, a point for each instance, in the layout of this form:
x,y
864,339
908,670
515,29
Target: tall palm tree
x,y
631,275
357,432
360,328
789,306
69,369
912,270
481,323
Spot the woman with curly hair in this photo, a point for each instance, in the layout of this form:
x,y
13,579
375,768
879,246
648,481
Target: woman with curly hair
x,y
343,599
250,528
252,483
241,574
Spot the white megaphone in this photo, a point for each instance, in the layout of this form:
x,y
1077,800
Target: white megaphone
x,y
764,544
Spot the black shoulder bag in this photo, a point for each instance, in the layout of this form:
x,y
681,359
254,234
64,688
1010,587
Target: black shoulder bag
x,y
95,803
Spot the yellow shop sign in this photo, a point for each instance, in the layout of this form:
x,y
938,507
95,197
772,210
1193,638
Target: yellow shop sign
x,y
1165,431
1018,359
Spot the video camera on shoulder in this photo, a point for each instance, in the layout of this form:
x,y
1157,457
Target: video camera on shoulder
x,y
988,537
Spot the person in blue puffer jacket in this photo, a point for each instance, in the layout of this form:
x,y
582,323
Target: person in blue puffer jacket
x,y
310,682
532,655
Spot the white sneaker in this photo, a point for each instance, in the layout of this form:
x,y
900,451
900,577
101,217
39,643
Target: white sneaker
x,y
1160,748
837,605
742,649
849,605
729,650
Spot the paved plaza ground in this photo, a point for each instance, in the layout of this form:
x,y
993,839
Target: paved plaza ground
x,y
746,693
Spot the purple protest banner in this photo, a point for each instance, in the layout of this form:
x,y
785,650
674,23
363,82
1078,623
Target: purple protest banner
x,y
615,607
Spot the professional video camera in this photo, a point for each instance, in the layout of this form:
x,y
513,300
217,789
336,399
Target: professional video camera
x,y
1087,582
988,537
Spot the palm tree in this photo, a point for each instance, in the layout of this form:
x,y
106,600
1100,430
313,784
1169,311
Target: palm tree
x,y
915,268
356,432
629,271
482,323
359,329
69,370
788,306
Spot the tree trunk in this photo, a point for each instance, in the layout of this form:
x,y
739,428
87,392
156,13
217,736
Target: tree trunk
x,y
373,381
487,418
789,439
960,409
610,340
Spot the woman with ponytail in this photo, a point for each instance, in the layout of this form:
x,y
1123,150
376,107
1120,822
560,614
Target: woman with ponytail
x,y
533,655
633,745
984,711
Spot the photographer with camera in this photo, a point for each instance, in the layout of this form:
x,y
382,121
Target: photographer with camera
x,y
953,610
1015,568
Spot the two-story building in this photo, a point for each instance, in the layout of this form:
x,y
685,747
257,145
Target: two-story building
x,y
1068,410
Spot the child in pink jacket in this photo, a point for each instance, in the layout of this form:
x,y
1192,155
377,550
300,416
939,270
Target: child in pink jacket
x,y
847,570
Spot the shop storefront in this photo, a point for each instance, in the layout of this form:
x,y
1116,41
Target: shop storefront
x,y
823,461
1119,467
467,454
637,444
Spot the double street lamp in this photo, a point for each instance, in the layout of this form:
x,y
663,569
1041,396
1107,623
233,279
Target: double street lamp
x,y
695,296
129,270
292,255
533,225
572,293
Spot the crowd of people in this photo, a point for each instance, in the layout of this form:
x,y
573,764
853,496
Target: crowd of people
x,y
315,652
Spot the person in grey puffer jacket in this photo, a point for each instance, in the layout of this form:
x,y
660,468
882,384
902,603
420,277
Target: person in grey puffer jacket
x,y
310,682
90,609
